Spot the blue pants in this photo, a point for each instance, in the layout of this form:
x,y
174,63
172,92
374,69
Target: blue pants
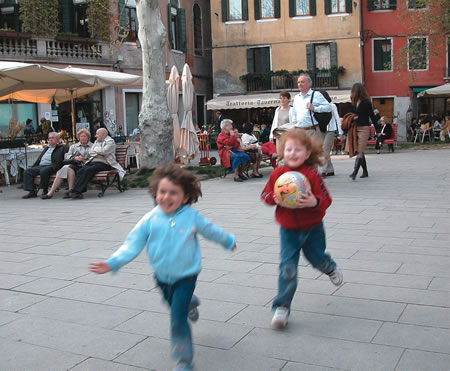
x,y
313,244
179,295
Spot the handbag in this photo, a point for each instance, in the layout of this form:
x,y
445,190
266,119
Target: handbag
x,y
323,118
72,163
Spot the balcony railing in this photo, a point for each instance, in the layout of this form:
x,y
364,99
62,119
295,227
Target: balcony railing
x,y
264,82
75,50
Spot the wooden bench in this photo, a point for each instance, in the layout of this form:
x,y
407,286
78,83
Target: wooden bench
x,y
106,178
390,142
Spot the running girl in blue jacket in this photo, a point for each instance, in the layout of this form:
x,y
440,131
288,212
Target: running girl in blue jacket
x,y
169,235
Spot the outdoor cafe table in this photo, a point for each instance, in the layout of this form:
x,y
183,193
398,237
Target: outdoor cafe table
x,y
20,157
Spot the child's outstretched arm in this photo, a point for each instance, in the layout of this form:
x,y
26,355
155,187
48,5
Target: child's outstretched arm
x,y
214,233
99,267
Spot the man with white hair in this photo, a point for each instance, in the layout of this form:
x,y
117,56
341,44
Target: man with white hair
x,y
49,162
102,157
305,108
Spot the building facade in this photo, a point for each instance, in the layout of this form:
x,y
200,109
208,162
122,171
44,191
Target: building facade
x,y
188,41
400,62
262,46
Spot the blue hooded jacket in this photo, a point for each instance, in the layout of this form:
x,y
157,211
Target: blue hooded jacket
x,y
171,241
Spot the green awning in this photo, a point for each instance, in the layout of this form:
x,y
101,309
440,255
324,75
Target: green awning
x,y
423,88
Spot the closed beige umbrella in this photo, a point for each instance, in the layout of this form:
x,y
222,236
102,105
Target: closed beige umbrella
x,y
172,102
189,144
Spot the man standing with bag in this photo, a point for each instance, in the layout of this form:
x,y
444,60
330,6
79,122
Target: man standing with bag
x,y
306,104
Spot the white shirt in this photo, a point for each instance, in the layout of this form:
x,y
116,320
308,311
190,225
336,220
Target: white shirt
x,y
303,114
335,122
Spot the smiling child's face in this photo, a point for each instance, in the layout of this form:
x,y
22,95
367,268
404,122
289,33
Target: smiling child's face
x,y
170,196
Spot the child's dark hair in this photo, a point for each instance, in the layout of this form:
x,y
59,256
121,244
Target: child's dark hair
x,y
312,144
188,181
247,128
285,94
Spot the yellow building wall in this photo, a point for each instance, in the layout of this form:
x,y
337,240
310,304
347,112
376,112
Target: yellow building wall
x,y
287,38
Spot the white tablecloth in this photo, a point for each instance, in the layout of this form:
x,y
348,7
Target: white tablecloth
x,y
17,158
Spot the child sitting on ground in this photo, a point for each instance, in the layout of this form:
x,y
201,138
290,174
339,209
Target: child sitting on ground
x,y
302,227
169,234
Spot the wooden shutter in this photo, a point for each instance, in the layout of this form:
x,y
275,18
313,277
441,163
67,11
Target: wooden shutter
x,y
392,4
245,10
411,4
224,10
250,61
327,6
333,55
371,4
265,59
348,6
257,9
312,10
310,57
122,13
292,8
66,8
277,9
169,31
181,25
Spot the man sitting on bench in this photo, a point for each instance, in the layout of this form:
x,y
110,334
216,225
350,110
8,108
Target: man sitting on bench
x,y
102,157
49,162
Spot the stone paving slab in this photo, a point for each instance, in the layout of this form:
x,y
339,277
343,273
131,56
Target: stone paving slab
x,y
389,233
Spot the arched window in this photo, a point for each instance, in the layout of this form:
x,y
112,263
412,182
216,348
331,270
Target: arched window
x,y
198,38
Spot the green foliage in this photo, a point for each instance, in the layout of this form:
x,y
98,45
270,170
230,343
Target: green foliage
x,y
99,19
40,17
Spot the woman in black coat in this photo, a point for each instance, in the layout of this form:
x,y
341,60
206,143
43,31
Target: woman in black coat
x,y
362,108
385,133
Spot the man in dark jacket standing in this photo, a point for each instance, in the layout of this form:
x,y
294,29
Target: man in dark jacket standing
x,y
49,162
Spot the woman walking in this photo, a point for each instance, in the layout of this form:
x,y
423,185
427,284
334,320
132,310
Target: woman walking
x,y
362,108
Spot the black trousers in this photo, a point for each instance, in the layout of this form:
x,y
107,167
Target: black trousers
x,y
43,171
379,142
86,173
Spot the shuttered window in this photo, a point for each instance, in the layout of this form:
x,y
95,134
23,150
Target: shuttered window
x,y
382,55
381,4
177,28
298,8
265,9
234,10
338,6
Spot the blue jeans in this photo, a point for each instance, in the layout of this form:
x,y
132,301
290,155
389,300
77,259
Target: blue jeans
x,y
179,295
313,244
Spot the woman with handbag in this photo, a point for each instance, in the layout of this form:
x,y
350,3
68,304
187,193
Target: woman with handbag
x,y
362,108
74,159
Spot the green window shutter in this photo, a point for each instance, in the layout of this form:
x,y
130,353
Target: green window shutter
x,y
377,55
66,9
348,6
181,25
169,31
224,10
257,9
16,18
312,10
292,10
250,61
245,10
310,57
265,59
333,55
392,4
327,6
371,4
122,13
411,4
277,9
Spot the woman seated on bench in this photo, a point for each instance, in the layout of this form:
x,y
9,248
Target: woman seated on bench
x,y
385,133
251,146
74,159
232,157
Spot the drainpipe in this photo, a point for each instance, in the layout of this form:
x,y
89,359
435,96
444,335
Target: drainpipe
x,y
361,40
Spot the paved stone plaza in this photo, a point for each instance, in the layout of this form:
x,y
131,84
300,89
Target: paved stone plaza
x,y
389,233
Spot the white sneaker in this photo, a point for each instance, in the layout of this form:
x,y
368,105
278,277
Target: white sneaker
x,y
336,277
280,318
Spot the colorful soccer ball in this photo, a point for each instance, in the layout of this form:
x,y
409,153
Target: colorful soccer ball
x,y
289,187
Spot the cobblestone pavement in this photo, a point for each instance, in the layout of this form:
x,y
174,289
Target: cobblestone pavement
x,y
390,234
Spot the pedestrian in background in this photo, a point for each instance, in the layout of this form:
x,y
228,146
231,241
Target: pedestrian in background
x,y
169,235
362,108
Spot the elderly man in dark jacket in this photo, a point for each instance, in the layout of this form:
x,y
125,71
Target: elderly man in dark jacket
x,y
49,162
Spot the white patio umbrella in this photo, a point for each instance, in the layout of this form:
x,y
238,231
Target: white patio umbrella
x,y
438,91
42,84
189,144
172,103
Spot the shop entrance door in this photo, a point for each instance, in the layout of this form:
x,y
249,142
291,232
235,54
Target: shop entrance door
x,y
385,106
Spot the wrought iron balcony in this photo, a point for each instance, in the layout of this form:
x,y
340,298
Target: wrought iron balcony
x,y
268,82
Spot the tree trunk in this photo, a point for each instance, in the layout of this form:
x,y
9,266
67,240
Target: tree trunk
x,y
154,120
